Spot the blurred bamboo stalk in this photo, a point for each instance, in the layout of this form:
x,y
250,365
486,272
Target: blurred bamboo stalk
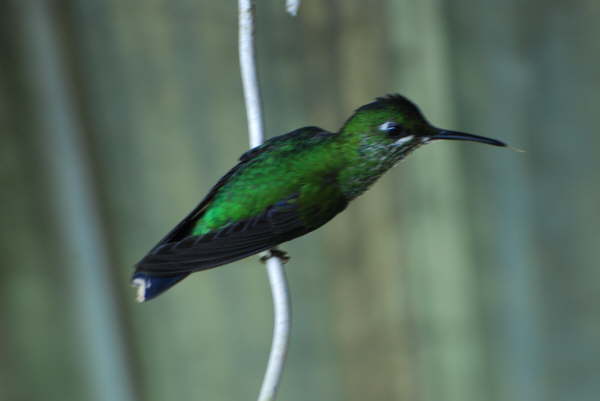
x,y
447,317
77,218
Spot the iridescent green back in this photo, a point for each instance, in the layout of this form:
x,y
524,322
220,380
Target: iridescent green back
x,y
296,165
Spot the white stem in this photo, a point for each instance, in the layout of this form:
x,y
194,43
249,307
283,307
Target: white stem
x,y
292,7
281,329
249,75
277,279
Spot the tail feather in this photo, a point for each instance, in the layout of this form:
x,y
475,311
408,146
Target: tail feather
x,y
149,286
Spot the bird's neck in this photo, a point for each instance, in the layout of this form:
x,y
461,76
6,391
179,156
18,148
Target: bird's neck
x,y
365,162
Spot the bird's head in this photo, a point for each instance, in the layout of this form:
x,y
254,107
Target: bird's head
x,y
392,126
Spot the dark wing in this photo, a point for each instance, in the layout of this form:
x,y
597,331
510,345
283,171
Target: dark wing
x,y
184,228
278,223
180,252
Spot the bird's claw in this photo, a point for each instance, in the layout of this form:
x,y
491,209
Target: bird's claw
x,y
278,253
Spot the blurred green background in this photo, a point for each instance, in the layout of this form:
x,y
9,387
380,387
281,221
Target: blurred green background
x,y
470,273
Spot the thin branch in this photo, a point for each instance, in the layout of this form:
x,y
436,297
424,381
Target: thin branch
x,y
277,279
281,329
292,7
248,69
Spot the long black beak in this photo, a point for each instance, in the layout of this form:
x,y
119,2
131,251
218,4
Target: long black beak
x,y
461,136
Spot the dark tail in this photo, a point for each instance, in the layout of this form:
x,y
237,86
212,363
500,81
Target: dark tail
x,y
149,286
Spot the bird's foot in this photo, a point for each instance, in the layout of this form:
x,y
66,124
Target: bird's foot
x,y
275,253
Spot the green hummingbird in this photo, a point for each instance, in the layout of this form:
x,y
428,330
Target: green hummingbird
x,y
287,187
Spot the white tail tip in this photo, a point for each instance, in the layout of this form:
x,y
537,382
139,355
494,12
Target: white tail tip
x,y
141,286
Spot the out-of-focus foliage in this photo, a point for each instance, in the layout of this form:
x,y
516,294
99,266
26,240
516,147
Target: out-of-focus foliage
x,y
469,273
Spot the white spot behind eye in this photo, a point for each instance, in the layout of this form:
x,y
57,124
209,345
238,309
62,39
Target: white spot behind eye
x,y
404,140
386,126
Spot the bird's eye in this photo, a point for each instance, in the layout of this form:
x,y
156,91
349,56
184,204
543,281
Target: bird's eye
x,y
392,128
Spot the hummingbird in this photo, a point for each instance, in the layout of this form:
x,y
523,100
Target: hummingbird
x,y
289,186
